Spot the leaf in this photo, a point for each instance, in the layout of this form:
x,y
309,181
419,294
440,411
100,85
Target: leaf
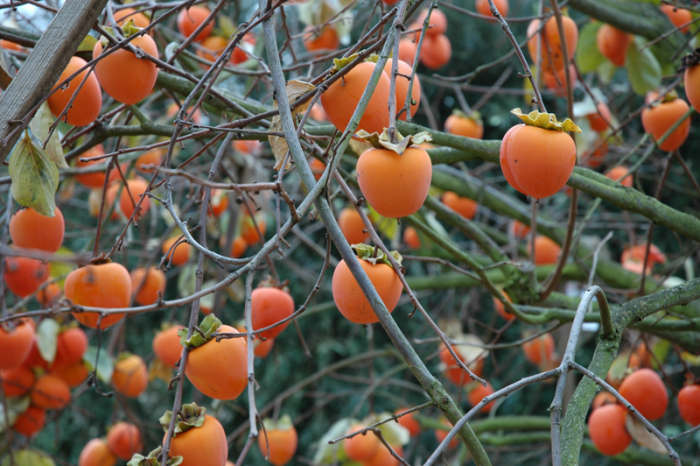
x,y
643,69
393,432
642,436
87,44
40,124
327,453
226,25
157,369
15,407
588,57
359,147
295,90
47,339
105,366
606,72
6,71
34,177
28,458
186,280
386,226
383,141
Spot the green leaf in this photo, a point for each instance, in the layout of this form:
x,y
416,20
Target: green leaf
x,y
28,458
606,71
47,339
186,280
588,57
15,407
40,124
643,69
386,226
105,366
87,44
328,453
393,432
227,26
34,177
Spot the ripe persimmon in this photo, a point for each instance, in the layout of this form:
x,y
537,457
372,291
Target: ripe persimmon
x,y
96,453
17,381
129,198
436,51
440,434
152,157
9,45
127,88
147,285
238,247
478,393
557,81
402,83
602,399
189,19
395,185
103,285
239,55
503,157
70,347
595,159
407,51
218,202
689,404
518,229
94,180
438,22
249,232
483,7
607,429
613,44
350,300
411,238
546,251
691,79
73,374
324,38
49,294
645,390
501,309
214,46
180,254
551,44
130,376
270,305
247,146
15,345
218,369
125,15
87,103
660,117
462,205
383,457
342,97
29,229
622,175
633,258
23,276
600,119
167,347
317,168
30,422
352,226
124,439
457,375
33,358
200,439
408,421
50,392
360,447
539,350
461,124
279,442
678,16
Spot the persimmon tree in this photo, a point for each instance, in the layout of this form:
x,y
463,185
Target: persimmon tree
x,y
349,232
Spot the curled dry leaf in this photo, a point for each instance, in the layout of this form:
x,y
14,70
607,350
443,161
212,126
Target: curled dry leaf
x,y
34,177
295,90
40,125
642,436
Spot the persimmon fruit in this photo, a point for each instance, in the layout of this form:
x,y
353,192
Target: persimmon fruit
x,y
167,347
70,347
23,276
408,421
463,125
87,103
50,392
602,399
677,16
49,294
383,457
72,374
104,285
411,238
691,79
478,393
218,202
599,120
238,247
457,375
438,22
352,226
317,168
501,309
407,51
189,19
546,251
402,83
30,422
659,118
441,435
125,15
180,254
689,404
360,447
518,229
203,445
29,229
324,39
270,305
250,233
436,51
94,180
124,439
282,444
551,43
645,390
152,157
130,376
147,285
96,453
483,7
622,175
17,381
613,44
15,345
607,429
539,350
462,205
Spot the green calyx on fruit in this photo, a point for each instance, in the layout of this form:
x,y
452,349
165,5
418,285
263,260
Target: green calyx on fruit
x,y
690,60
546,121
153,459
340,63
190,417
474,116
383,141
367,253
129,29
209,325
284,423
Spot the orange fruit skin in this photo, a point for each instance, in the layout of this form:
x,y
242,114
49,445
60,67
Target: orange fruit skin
x,y
70,347
538,348
219,202
105,285
220,370
269,306
550,45
246,146
15,346
691,78
239,56
130,376
154,156
127,203
350,300
602,399
146,284
48,295
678,16
395,185
599,120
352,226
50,392
436,51
124,440
30,422
607,429
645,390
129,14
402,83
215,45
462,205
689,404
132,87
633,258
203,445
317,167
73,374
8,45
500,308
188,20
282,445
167,347
483,7
440,435
18,381
87,103
479,393
438,22
407,51
541,161
411,238
409,422
613,44
342,97
248,231
659,119
546,251
558,82
262,348
361,447
456,375
238,247
180,255
621,175
503,157
383,457
94,180
518,229
325,39
462,126
96,453
23,276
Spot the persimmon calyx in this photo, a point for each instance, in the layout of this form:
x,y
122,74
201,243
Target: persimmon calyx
x,y
271,283
474,116
191,416
284,423
153,459
545,121
690,60
670,96
367,253
383,141
209,325
340,63
129,29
